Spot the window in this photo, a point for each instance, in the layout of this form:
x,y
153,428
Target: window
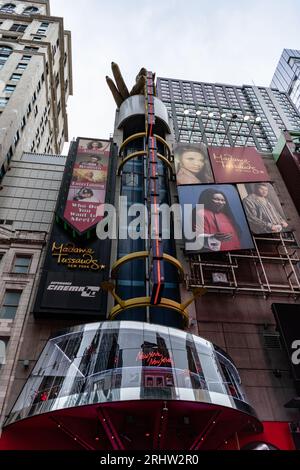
x,y
31,48
37,38
10,304
5,52
21,66
36,111
17,137
43,28
26,58
18,27
22,264
9,88
9,154
15,77
30,10
29,109
3,345
8,37
3,102
7,8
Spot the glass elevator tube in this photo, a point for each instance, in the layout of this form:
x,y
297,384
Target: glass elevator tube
x,y
131,280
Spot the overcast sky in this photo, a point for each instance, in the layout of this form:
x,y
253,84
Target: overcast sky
x,y
225,41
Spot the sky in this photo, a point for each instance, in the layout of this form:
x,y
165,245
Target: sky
x,y
220,41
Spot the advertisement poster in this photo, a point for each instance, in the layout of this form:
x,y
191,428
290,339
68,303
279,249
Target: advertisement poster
x,y
263,208
287,317
237,164
220,223
86,196
192,164
73,271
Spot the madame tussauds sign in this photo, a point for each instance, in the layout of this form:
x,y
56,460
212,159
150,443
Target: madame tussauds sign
x,y
75,257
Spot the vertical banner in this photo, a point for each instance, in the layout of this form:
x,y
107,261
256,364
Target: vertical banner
x,y
87,190
76,261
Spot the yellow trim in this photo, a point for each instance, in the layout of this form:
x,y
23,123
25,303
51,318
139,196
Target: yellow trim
x,y
167,162
144,254
143,134
144,152
130,138
129,157
162,141
139,302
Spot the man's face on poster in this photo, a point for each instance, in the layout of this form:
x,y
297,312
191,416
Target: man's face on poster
x,y
262,190
218,202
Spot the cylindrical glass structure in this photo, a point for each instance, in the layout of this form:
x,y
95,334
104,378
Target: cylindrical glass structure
x,y
124,361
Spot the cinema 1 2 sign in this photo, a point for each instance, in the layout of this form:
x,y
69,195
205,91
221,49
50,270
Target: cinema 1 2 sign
x,y
86,197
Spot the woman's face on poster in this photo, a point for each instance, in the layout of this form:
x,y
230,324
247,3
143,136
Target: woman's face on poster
x,y
193,161
218,202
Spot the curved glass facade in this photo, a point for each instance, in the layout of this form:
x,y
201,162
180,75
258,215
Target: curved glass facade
x,y
122,361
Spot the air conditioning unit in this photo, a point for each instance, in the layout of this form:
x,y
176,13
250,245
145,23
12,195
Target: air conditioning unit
x,y
219,278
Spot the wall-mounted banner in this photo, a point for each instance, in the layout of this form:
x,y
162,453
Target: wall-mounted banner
x,y
237,164
192,164
87,189
219,224
71,277
76,261
263,208
288,321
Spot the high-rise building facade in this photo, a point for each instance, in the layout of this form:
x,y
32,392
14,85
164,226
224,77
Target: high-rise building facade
x,y
227,115
185,354
36,80
28,196
287,75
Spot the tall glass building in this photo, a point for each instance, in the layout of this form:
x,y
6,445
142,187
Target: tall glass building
x,y
227,115
287,75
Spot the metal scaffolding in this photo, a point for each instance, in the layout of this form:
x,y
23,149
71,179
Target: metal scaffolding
x,y
272,268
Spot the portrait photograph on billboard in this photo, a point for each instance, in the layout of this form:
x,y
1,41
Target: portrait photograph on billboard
x,y
192,164
86,195
237,164
218,222
263,208
94,146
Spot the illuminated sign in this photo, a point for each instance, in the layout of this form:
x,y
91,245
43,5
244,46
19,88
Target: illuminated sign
x,y
76,257
154,359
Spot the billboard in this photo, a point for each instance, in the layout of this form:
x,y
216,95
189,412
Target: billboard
x,y
87,187
192,164
237,164
263,208
77,263
220,222
287,317
71,278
